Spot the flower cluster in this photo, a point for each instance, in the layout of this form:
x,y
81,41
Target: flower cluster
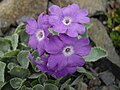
x,y
64,51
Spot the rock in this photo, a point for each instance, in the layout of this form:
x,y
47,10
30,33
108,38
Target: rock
x,y
82,86
3,27
103,88
98,5
95,82
107,77
99,36
22,19
1,34
0,30
10,10
107,88
112,88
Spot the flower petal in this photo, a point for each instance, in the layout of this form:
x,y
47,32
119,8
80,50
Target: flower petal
x,y
72,30
32,42
55,10
54,45
60,28
81,28
82,47
40,51
71,69
42,46
83,51
83,12
42,66
76,60
43,21
67,40
70,10
54,20
31,26
83,19
59,74
78,27
57,62
83,42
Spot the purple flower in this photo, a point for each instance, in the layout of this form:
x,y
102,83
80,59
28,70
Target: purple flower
x,y
42,66
38,31
54,72
69,19
66,52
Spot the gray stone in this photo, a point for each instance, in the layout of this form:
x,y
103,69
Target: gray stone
x,y
1,34
22,19
10,10
3,26
104,88
107,77
95,82
82,86
107,88
92,5
112,88
99,36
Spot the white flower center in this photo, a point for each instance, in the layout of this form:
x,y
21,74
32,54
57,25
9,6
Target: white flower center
x,y
68,50
40,35
67,21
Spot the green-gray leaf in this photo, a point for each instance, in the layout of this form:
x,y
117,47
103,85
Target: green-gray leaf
x,y
76,81
53,32
42,78
12,53
65,84
38,87
16,83
34,76
25,88
20,72
88,25
2,84
11,65
22,58
87,73
7,60
24,37
19,28
34,82
50,87
2,69
4,45
69,88
1,54
15,41
95,54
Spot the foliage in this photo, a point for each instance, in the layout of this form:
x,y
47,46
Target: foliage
x,y
114,19
114,25
115,36
95,54
17,72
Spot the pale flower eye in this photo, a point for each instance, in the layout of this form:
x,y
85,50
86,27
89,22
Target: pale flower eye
x,y
68,51
40,35
67,21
